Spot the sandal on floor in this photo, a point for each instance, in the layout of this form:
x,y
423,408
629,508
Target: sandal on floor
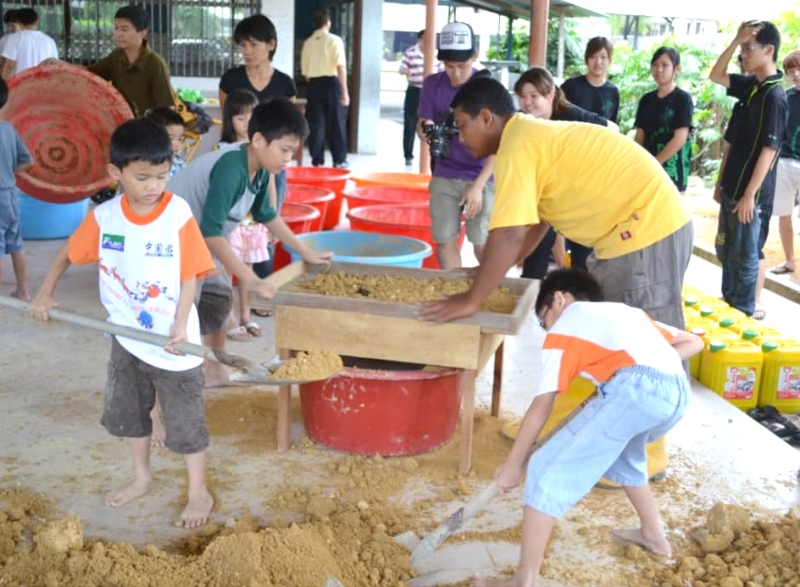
x,y
253,329
759,314
240,334
781,269
776,423
261,313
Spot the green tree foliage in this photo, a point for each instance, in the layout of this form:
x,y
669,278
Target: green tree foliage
x,y
573,52
630,71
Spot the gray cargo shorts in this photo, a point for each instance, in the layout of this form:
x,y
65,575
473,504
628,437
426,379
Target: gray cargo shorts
x,y
131,394
651,278
446,213
214,301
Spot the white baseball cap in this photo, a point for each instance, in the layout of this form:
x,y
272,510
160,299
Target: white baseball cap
x,y
456,42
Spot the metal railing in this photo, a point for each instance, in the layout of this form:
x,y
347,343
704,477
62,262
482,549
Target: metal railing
x,y
193,36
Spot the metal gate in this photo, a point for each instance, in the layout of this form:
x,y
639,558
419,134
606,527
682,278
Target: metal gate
x,y
195,37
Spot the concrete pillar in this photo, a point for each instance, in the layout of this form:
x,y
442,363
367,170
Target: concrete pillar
x,y
282,14
537,51
561,41
365,87
429,50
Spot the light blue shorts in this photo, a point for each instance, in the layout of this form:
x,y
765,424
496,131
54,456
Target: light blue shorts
x,y
608,438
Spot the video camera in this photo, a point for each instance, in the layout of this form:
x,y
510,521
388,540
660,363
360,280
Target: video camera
x,y
438,133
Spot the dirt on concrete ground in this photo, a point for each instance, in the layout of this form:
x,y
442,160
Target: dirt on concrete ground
x,y
299,517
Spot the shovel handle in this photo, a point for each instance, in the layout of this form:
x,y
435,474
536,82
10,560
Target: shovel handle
x,y
115,329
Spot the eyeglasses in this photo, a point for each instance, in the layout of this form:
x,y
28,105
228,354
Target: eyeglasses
x,y
750,47
543,316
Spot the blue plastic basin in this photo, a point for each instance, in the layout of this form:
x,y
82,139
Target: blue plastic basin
x,y
43,220
351,246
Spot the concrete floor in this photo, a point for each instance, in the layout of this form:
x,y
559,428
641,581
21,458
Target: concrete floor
x,y
52,376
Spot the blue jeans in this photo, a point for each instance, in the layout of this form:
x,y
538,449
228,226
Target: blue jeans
x,y
607,438
737,247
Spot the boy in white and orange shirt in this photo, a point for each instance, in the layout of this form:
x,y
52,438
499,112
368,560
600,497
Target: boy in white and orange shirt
x,y
643,391
150,253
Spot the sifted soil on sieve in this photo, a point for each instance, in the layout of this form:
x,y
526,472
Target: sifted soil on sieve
x,y
390,288
309,366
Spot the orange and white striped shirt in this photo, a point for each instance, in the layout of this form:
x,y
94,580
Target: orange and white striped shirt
x,y
597,339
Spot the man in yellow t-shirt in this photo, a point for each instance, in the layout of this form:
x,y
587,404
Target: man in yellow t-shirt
x,y
593,185
323,64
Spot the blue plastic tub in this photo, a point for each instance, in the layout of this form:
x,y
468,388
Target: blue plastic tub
x,y
43,220
373,248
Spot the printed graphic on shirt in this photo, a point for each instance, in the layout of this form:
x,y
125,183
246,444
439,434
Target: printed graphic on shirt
x,y
136,297
113,242
158,250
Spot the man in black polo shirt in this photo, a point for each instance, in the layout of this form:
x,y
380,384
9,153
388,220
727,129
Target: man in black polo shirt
x,y
748,178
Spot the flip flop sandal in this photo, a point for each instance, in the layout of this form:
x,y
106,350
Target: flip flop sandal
x,y
781,270
765,413
779,425
239,334
261,313
794,440
253,329
759,314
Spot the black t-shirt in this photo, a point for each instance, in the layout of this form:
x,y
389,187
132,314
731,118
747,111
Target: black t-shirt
x,y
760,122
280,86
659,118
791,147
602,100
577,114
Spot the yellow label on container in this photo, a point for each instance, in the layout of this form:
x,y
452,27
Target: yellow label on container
x,y
740,383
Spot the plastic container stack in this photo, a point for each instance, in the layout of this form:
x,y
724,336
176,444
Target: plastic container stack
x,y
745,362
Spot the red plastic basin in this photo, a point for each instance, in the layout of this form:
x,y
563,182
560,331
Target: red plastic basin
x,y
378,195
330,178
300,218
417,180
319,198
390,413
404,219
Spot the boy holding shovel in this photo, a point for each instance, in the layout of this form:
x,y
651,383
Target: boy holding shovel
x,y
636,363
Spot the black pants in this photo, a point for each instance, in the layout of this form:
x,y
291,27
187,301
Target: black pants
x,y
578,254
326,116
536,264
410,119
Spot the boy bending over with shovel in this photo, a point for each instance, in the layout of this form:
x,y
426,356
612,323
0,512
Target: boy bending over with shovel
x,y
643,392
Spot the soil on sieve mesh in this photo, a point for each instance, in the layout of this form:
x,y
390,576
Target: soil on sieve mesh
x,y
410,290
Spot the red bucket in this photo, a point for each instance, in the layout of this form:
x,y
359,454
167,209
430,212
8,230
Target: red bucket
x,y
409,180
330,178
404,219
390,413
378,195
299,218
319,198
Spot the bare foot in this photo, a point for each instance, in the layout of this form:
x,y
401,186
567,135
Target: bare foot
x,y
656,544
22,294
513,581
235,361
127,493
215,375
158,438
196,512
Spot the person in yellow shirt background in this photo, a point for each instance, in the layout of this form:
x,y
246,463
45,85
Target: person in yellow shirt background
x,y
591,184
323,63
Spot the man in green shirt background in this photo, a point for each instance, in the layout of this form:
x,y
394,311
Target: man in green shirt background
x,y
135,70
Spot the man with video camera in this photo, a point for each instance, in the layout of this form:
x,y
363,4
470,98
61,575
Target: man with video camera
x,y
460,184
